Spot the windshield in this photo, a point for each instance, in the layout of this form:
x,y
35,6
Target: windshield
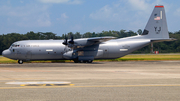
x,y
15,45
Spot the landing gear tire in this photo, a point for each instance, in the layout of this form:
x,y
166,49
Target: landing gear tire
x,y
75,60
81,61
89,61
20,61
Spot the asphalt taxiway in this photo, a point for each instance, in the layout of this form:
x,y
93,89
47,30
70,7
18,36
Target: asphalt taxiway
x,y
148,80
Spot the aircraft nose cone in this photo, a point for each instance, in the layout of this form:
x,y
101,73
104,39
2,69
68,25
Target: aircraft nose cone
x,y
6,53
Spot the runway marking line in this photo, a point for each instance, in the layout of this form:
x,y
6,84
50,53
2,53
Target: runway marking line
x,y
47,84
101,86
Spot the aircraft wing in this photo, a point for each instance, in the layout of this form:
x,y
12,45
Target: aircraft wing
x,y
80,43
100,39
84,49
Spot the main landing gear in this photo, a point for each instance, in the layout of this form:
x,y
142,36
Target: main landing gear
x,y
20,61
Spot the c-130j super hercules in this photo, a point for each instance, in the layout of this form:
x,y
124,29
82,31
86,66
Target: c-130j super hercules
x,y
88,49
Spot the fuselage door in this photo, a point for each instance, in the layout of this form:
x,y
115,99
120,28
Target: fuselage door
x,y
16,53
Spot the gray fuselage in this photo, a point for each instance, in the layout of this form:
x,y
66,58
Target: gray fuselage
x,y
55,50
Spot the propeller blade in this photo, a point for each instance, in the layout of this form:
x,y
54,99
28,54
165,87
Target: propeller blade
x,y
72,40
65,41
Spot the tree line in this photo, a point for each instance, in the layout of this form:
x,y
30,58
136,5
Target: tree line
x,y
163,47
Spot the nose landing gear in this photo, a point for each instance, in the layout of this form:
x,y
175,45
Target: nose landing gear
x,y
20,61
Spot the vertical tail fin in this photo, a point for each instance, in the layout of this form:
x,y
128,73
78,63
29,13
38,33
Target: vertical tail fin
x,y
156,28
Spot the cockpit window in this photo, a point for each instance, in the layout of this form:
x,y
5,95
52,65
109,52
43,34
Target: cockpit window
x,y
15,45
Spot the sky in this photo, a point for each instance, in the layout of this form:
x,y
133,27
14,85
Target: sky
x,y
64,16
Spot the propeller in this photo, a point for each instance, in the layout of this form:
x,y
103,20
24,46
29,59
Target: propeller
x,y
65,41
72,40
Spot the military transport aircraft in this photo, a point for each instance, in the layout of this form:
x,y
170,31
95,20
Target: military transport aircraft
x,y
88,49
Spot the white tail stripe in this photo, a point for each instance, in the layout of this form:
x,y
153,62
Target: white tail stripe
x,y
161,14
